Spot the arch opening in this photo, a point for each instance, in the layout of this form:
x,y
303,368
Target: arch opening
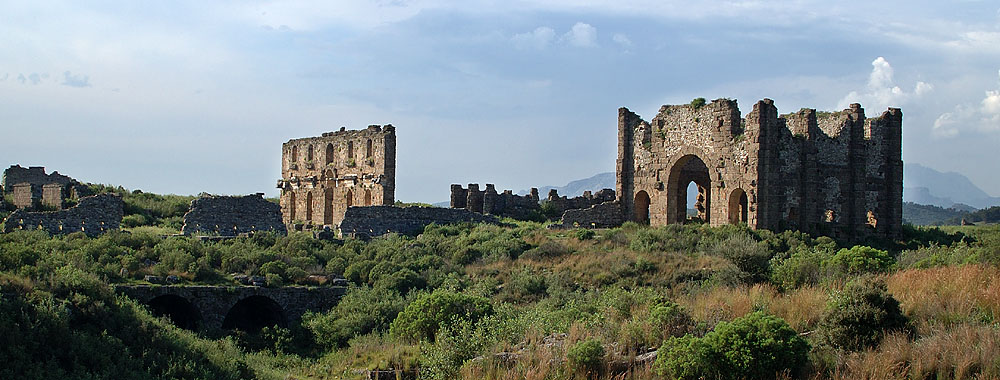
x,y
254,313
327,206
689,177
350,152
368,197
309,206
181,312
738,207
309,153
349,198
329,154
368,149
291,205
295,154
641,205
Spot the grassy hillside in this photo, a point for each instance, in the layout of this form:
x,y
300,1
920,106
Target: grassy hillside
x,y
480,301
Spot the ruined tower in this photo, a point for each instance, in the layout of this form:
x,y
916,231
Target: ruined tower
x,y
837,173
322,176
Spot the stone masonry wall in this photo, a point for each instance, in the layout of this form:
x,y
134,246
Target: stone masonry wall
x,y
93,216
322,176
562,204
34,175
32,187
604,215
231,216
366,222
828,173
488,201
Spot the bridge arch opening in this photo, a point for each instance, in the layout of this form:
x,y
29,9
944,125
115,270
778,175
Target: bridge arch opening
x,y
254,313
181,312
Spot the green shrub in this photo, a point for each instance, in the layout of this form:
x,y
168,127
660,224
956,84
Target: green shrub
x,y
698,103
361,311
135,220
583,234
586,355
861,259
804,267
756,346
860,315
424,316
744,252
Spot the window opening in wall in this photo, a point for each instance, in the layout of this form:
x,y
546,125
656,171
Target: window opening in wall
x,y
328,206
368,198
291,205
349,198
295,153
368,150
309,206
738,205
641,206
329,154
350,151
309,153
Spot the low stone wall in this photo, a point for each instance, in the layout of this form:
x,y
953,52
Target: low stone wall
x,y
561,204
604,215
93,216
232,215
366,222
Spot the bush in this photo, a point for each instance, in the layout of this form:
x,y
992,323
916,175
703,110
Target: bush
x,y
744,252
756,346
804,267
698,103
583,234
424,316
361,311
586,355
861,259
860,315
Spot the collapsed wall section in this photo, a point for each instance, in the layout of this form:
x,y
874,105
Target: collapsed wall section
x,y
93,216
367,222
232,215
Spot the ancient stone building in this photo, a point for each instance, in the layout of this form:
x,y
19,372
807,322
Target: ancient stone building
x,y
488,201
322,176
32,188
828,173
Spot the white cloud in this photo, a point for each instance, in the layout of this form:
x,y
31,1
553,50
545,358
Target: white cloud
x,y
538,39
881,91
78,80
581,35
984,117
621,39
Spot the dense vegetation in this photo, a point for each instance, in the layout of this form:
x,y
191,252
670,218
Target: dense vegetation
x,y
482,301
928,215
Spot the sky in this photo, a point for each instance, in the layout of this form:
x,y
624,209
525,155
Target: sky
x,y
186,97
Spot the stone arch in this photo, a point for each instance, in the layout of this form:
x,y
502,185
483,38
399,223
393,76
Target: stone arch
x,y
368,149
350,151
181,312
309,153
329,154
328,206
291,205
253,313
688,168
738,207
368,197
641,206
295,153
349,198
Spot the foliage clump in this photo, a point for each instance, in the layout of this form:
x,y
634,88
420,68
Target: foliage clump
x,y
756,346
422,318
698,103
859,316
586,355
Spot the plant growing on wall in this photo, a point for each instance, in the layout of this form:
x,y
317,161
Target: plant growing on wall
x,y
351,163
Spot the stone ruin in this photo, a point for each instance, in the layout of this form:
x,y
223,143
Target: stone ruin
x,y
321,177
527,207
232,215
838,174
367,222
93,216
31,188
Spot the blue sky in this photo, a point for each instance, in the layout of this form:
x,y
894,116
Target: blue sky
x,y
184,97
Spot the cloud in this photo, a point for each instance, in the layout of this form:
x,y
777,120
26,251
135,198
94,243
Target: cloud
x,y
33,78
621,39
538,39
881,91
581,35
79,81
984,117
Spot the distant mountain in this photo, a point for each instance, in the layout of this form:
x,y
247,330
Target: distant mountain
x,y
927,186
576,188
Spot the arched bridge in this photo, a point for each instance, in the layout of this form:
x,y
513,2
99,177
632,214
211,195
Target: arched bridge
x,y
246,308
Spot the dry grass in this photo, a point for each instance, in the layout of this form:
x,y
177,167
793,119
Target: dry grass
x,y
961,352
801,308
948,295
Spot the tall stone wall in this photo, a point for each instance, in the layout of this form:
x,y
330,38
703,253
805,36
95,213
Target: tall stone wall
x,y
35,175
93,216
322,176
366,222
32,187
232,215
831,173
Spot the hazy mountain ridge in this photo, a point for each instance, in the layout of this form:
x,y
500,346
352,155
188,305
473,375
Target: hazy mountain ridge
x,y
923,185
576,188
